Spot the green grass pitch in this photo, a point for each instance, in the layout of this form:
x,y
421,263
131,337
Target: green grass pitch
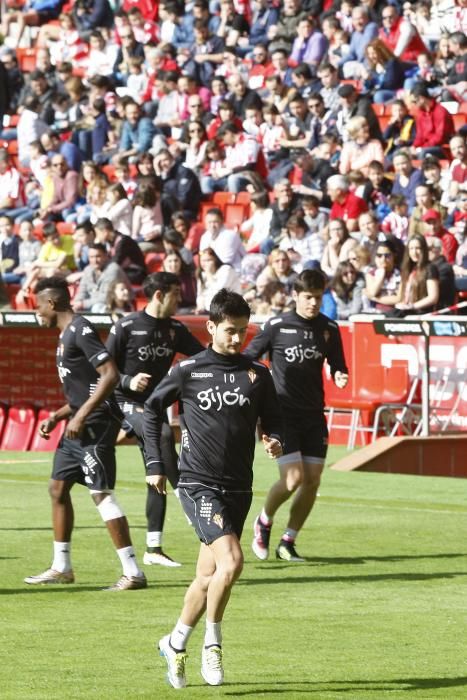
x,y
379,610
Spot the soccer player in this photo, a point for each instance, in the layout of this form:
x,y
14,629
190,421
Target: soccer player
x,y
143,345
222,394
86,453
298,342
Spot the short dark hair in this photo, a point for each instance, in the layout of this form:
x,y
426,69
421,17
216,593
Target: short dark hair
x,y
58,288
105,224
228,304
159,282
309,280
420,90
215,211
49,230
228,126
98,246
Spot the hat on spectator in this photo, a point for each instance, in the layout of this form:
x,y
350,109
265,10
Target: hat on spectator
x,y
431,214
312,265
346,90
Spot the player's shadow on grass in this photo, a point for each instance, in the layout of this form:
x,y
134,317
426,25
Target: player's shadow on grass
x,y
352,687
410,576
390,557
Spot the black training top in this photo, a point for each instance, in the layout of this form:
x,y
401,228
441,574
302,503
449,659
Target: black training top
x,y
79,352
141,343
297,348
221,399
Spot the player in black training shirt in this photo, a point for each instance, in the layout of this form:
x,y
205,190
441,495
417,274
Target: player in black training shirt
x,y
143,345
222,395
298,342
86,452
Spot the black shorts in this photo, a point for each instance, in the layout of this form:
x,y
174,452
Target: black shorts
x,y
308,435
215,512
133,426
90,459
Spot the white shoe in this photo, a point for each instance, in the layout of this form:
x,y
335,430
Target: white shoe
x,y
51,576
160,558
176,661
211,665
260,544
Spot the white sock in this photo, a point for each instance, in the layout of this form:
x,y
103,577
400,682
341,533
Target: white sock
x,y
154,539
213,634
180,635
62,557
265,519
129,564
290,535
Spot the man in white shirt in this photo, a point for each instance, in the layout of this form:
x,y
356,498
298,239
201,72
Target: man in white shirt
x,y
225,242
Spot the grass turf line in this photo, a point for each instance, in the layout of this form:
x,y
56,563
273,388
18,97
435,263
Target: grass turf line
x,y
377,611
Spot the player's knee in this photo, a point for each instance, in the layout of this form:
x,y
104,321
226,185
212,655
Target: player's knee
x,y
293,479
230,568
311,481
107,505
58,490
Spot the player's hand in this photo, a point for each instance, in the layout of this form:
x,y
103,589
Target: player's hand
x,y
46,426
158,482
140,381
341,379
272,446
74,427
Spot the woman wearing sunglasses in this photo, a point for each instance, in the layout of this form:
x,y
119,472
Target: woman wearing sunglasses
x,y
383,280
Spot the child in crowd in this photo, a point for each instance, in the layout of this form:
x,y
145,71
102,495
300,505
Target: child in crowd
x,y
397,221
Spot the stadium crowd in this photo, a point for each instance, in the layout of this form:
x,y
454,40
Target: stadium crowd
x,y
234,144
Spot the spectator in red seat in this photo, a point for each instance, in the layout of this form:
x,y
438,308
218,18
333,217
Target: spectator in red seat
x,y
241,156
226,243
456,79
261,68
360,150
434,227
65,191
433,124
458,167
447,283
345,204
11,187
400,35
122,249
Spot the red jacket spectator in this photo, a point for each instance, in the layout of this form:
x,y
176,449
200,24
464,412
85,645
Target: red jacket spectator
x,y
433,123
434,227
400,36
350,207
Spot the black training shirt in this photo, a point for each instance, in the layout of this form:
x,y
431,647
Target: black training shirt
x,y
79,352
297,348
221,398
141,343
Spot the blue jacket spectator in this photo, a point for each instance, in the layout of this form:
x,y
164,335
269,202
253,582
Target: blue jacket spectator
x,y
137,132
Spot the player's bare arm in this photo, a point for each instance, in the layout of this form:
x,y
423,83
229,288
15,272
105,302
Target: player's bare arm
x,y
108,380
48,424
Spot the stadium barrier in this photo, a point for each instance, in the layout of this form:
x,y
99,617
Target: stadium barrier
x,y
382,398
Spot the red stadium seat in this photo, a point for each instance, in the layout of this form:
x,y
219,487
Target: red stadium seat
x,y
459,120
234,215
18,429
65,228
221,199
2,419
26,59
38,444
154,262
